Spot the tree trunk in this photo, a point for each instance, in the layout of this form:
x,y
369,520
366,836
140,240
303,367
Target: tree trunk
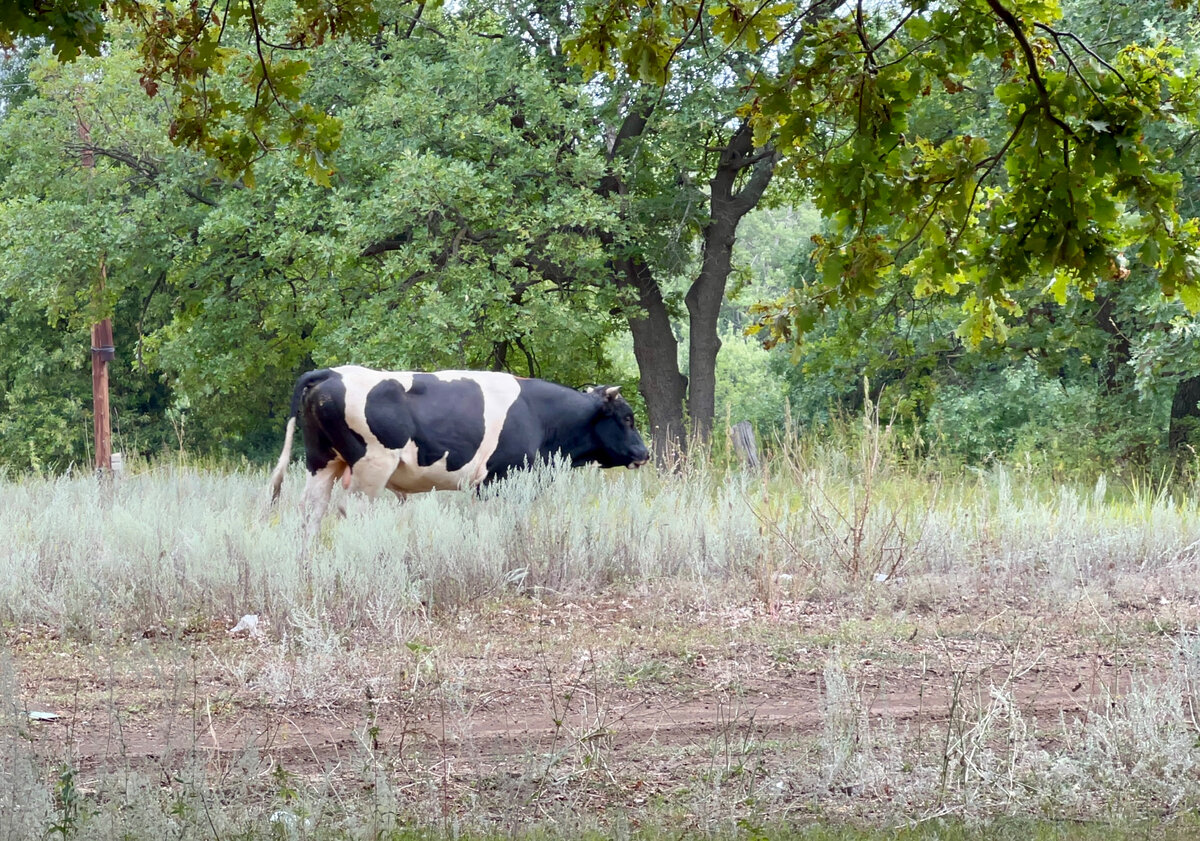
x,y
1185,413
1119,350
704,305
708,290
661,384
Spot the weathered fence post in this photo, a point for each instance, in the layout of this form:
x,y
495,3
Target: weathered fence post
x,y
102,353
742,434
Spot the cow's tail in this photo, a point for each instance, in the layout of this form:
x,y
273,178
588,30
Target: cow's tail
x,y
284,457
303,384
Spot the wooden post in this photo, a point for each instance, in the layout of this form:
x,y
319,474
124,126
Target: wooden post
x,y
102,353
102,344
743,443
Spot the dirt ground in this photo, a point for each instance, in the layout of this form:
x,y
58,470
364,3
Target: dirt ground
x,y
602,703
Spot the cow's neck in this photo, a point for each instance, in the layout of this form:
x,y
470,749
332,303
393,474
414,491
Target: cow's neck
x,y
567,421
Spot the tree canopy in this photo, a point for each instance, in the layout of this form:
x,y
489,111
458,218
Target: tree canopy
x,y
1069,178
236,68
282,184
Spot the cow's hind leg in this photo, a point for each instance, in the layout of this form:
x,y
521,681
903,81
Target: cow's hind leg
x,y
315,501
371,473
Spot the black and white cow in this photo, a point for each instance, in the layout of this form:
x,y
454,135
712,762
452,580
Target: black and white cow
x,y
410,432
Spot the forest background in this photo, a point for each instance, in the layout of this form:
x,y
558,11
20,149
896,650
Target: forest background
x,y
980,216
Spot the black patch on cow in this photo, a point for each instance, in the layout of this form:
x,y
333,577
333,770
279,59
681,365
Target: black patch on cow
x,y
448,420
323,420
520,439
388,415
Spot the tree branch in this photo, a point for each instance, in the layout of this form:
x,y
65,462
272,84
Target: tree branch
x,y
1057,33
1074,67
1035,76
764,168
262,59
895,28
384,245
933,210
999,156
546,268
416,18
144,167
632,126
860,29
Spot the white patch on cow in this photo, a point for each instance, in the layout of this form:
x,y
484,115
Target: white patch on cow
x,y
398,470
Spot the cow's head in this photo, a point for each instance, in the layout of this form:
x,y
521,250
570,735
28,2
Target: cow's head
x,y
620,445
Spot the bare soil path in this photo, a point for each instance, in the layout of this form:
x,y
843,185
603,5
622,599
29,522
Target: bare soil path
x,y
598,703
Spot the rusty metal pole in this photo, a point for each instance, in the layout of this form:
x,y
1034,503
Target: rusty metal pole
x,y
102,344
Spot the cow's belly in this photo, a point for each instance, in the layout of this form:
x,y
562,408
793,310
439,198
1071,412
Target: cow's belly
x,y
411,477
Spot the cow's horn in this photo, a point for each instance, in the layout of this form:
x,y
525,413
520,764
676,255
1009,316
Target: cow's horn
x,y
612,392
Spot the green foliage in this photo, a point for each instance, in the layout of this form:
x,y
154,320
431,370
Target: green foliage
x,y
1115,345
483,197
1071,174
1019,415
747,388
1060,392
71,27
237,90
46,392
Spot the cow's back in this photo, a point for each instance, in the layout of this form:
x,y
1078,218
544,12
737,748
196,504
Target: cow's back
x,y
428,430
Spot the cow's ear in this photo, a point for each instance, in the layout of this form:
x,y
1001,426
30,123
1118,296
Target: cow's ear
x,y
606,396
609,395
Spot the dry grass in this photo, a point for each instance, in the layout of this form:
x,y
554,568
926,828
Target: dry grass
x,y
174,549
844,635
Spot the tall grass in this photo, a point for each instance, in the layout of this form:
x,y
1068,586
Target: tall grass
x,y
178,548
